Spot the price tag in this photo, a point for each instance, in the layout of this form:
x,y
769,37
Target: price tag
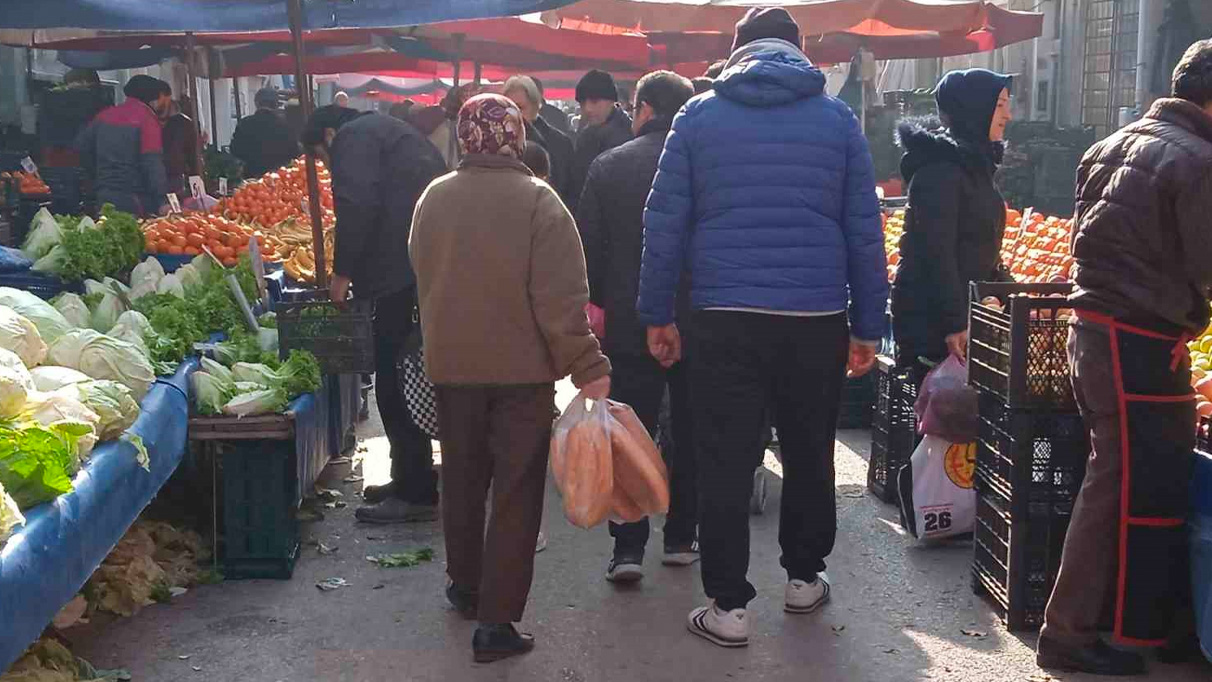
x,y
197,188
29,165
174,204
223,187
258,266
305,206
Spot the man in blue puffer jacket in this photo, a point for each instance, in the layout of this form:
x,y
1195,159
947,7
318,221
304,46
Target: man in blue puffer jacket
x,y
765,193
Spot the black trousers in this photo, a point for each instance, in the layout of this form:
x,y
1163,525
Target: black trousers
x,y
411,450
744,362
640,381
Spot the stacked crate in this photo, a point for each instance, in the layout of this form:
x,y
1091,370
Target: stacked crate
x,y
1031,449
858,402
893,427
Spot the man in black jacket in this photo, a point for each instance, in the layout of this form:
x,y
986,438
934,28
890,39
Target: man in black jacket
x,y
380,166
611,220
263,141
603,126
525,92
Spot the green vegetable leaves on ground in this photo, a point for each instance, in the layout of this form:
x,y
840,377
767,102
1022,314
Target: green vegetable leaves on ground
x,y
402,559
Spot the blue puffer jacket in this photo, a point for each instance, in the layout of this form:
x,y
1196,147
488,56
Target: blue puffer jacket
x,y
766,194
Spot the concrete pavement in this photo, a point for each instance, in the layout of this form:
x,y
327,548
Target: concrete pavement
x,y
899,612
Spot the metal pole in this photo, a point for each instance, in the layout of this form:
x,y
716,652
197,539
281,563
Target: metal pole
x,y
295,10
235,92
214,109
190,48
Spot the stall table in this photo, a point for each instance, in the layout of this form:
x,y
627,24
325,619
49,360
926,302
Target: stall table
x,y
44,565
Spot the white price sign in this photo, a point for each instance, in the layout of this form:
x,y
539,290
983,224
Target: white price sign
x,y
223,187
29,165
174,204
197,188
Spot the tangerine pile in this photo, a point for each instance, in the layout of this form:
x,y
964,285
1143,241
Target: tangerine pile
x,y
185,235
278,196
28,184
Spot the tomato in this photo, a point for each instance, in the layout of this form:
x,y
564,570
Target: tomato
x,y
178,240
151,246
192,250
230,262
195,239
175,250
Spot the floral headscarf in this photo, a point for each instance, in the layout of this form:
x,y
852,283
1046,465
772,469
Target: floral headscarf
x,y
492,124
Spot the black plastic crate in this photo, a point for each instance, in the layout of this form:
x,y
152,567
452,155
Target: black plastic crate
x,y
1016,558
341,338
1031,456
1019,352
41,285
858,402
894,427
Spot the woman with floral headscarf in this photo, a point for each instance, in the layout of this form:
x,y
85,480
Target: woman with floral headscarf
x,y
502,290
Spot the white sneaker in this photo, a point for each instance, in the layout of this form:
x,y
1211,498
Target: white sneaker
x,y
541,543
803,597
725,628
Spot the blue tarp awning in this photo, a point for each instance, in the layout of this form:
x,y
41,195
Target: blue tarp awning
x,y
252,15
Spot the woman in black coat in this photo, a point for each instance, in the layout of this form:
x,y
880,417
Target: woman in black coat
x,y
956,215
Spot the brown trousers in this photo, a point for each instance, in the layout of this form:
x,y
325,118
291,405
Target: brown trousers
x,y
496,436
1085,585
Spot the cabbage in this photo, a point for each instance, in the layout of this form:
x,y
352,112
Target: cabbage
x,y
92,287
133,337
13,392
266,401
133,319
74,309
116,286
105,315
20,336
87,223
247,386
52,262
189,276
44,235
211,367
267,339
254,372
211,393
145,277
52,378
104,357
170,284
112,402
203,263
53,409
50,322
10,516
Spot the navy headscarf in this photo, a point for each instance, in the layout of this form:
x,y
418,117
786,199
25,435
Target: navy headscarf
x,y
968,99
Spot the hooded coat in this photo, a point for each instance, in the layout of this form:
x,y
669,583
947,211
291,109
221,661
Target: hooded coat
x,y
955,219
766,191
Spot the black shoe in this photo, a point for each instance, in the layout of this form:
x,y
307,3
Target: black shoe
x,y
395,510
497,642
1096,659
1183,650
466,603
374,494
625,568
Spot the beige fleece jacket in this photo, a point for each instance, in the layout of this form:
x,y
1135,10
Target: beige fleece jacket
x,y
501,280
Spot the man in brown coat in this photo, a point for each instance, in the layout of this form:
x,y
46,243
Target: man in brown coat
x,y
502,291
1144,199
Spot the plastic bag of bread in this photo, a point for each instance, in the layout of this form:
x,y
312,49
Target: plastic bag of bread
x,y
581,461
639,469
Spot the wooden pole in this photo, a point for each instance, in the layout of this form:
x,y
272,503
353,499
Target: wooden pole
x,y
190,49
294,9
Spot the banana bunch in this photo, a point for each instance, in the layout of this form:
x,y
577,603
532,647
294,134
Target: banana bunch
x,y
301,265
292,232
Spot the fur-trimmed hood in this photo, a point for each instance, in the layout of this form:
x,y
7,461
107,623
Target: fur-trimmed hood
x,y
925,141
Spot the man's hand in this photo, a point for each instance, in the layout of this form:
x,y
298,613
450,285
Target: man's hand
x,y
598,389
665,344
862,359
957,345
338,288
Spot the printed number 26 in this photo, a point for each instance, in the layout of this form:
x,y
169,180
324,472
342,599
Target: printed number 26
x,y
938,522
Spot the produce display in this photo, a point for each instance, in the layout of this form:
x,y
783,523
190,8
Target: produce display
x,y
28,184
1035,248
186,235
245,389
76,248
1201,373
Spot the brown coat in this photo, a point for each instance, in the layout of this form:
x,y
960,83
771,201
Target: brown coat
x,y
1142,237
501,280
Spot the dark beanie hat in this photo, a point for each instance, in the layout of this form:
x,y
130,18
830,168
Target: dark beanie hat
x,y
766,22
597,85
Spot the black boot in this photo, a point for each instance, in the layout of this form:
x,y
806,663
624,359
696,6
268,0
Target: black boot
x,y
466,603
1096,659
497,642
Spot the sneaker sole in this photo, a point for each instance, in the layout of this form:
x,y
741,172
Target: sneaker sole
x,y
680,560
715,639
626,573
801,610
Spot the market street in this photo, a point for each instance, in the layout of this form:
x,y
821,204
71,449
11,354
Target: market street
x,y
898,613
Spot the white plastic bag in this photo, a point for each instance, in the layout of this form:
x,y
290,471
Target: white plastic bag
x,y
581,459
942,502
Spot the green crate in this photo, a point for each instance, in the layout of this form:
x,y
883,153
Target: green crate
x,y
260,532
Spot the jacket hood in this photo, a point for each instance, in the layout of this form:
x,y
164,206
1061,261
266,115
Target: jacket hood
x,y
769,73
926,141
